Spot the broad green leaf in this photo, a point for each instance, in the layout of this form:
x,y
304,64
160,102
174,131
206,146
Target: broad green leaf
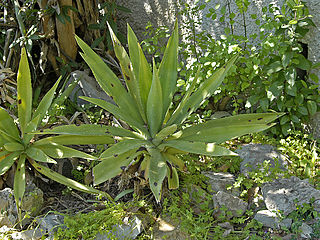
x,y
173,177
205,90
168,70
58,151
122,147
157,172
38,155
140,66
222,129
109,82
13,147
7,124
155,104
7,160
312,107
112,166
24,89
90,130
19,185
204,148
46,101
118,113
127,70
67,181
167,131
76,140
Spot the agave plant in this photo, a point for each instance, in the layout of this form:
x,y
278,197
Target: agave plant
x,y
156,137
18,144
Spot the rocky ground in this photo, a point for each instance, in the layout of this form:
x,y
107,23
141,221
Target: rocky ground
x,y
275,205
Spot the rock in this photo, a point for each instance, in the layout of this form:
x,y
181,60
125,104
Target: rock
x,y
254,155
165,229
50,224
32,200
306,231
8,213
282,195
270,219
26,235
220,181
233,204
87,86
130,229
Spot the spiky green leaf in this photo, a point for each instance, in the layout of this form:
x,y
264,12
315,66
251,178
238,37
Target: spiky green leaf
x,y
109,82
205,90
38,155
7,124
140,67
58,151
222,129
76,140
24,89
157,172
209,149
155,105
66,181
6,160
114,166
168,70
122,147
19,184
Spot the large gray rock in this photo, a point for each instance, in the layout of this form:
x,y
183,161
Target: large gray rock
x,y
254,155
32,203
306,231
233,204
283,195
219,181
270,219
8,210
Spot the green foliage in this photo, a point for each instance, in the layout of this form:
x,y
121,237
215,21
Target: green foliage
x,y
268,75
19,145
88,225
157,138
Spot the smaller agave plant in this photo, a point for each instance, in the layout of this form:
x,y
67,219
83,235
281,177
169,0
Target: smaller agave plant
x,y
19,147
156,137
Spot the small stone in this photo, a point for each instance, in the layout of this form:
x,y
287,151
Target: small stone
x,y
219,181
306,231
233,204
270,219
254,155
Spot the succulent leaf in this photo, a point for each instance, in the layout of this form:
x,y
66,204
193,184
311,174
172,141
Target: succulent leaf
x,y
173,177
59,151
155,104
38,155
24,88
7,160
19,184
222,129
157,172
209,149
122,147
109,82
168,70
140,67
7,125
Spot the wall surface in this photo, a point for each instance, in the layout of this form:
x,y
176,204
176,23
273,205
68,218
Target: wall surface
x,y
164,12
